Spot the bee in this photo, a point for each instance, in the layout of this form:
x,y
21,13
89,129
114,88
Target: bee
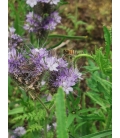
x,y
70,52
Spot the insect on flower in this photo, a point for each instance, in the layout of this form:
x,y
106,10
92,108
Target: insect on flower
x,y
70,52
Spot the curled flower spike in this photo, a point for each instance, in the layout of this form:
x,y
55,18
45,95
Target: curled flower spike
x,y
14,40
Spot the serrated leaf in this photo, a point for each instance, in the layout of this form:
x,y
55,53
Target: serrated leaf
x,y
96,98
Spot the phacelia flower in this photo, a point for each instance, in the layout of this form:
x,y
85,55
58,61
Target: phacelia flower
x,y
56,17
62,63
66,78
19,131
32,3
15,60
51,21
33,22
51,63
14,40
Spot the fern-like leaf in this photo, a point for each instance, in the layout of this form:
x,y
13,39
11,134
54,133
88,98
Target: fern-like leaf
x,y
33,116
103,62
34,127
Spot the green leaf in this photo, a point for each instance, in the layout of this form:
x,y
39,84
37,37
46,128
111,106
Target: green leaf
x,y
79,125
67,37
61,114
70,119
96,98
107,40
99,134
16,111
86,110
56,45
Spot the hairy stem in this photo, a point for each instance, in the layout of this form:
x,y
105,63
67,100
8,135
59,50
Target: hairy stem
x,y
43,105
81,55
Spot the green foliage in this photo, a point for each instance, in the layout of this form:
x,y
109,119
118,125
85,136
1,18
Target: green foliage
x,y
61,114
99,134
75,22
34,127
15,111
103,62
40,115
81,113
108,40
69,31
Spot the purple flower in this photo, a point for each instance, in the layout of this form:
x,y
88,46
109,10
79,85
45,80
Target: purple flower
x,y
66,78
51,25
32,3
56,17
19,131
14,40
51,21
15,60
51,63
12,30
33,22
62,63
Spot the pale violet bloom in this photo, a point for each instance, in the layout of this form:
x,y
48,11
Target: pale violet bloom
x,y
35,51
76,71
43,82
56,17
66,87
32,3
19,131
51,63
48,127
62,63
29,15
54,1
49,97
12,29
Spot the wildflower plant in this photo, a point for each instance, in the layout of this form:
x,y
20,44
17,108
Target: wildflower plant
x,y
48,84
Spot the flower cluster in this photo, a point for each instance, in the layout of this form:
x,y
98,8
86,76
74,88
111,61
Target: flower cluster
x,y
39,62
35,67
32,3
66,78
35,23
18,132
14,39
51,22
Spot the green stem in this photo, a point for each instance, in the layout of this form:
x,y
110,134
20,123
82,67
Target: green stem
x,y
67,37
81,55
43,105
45,125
